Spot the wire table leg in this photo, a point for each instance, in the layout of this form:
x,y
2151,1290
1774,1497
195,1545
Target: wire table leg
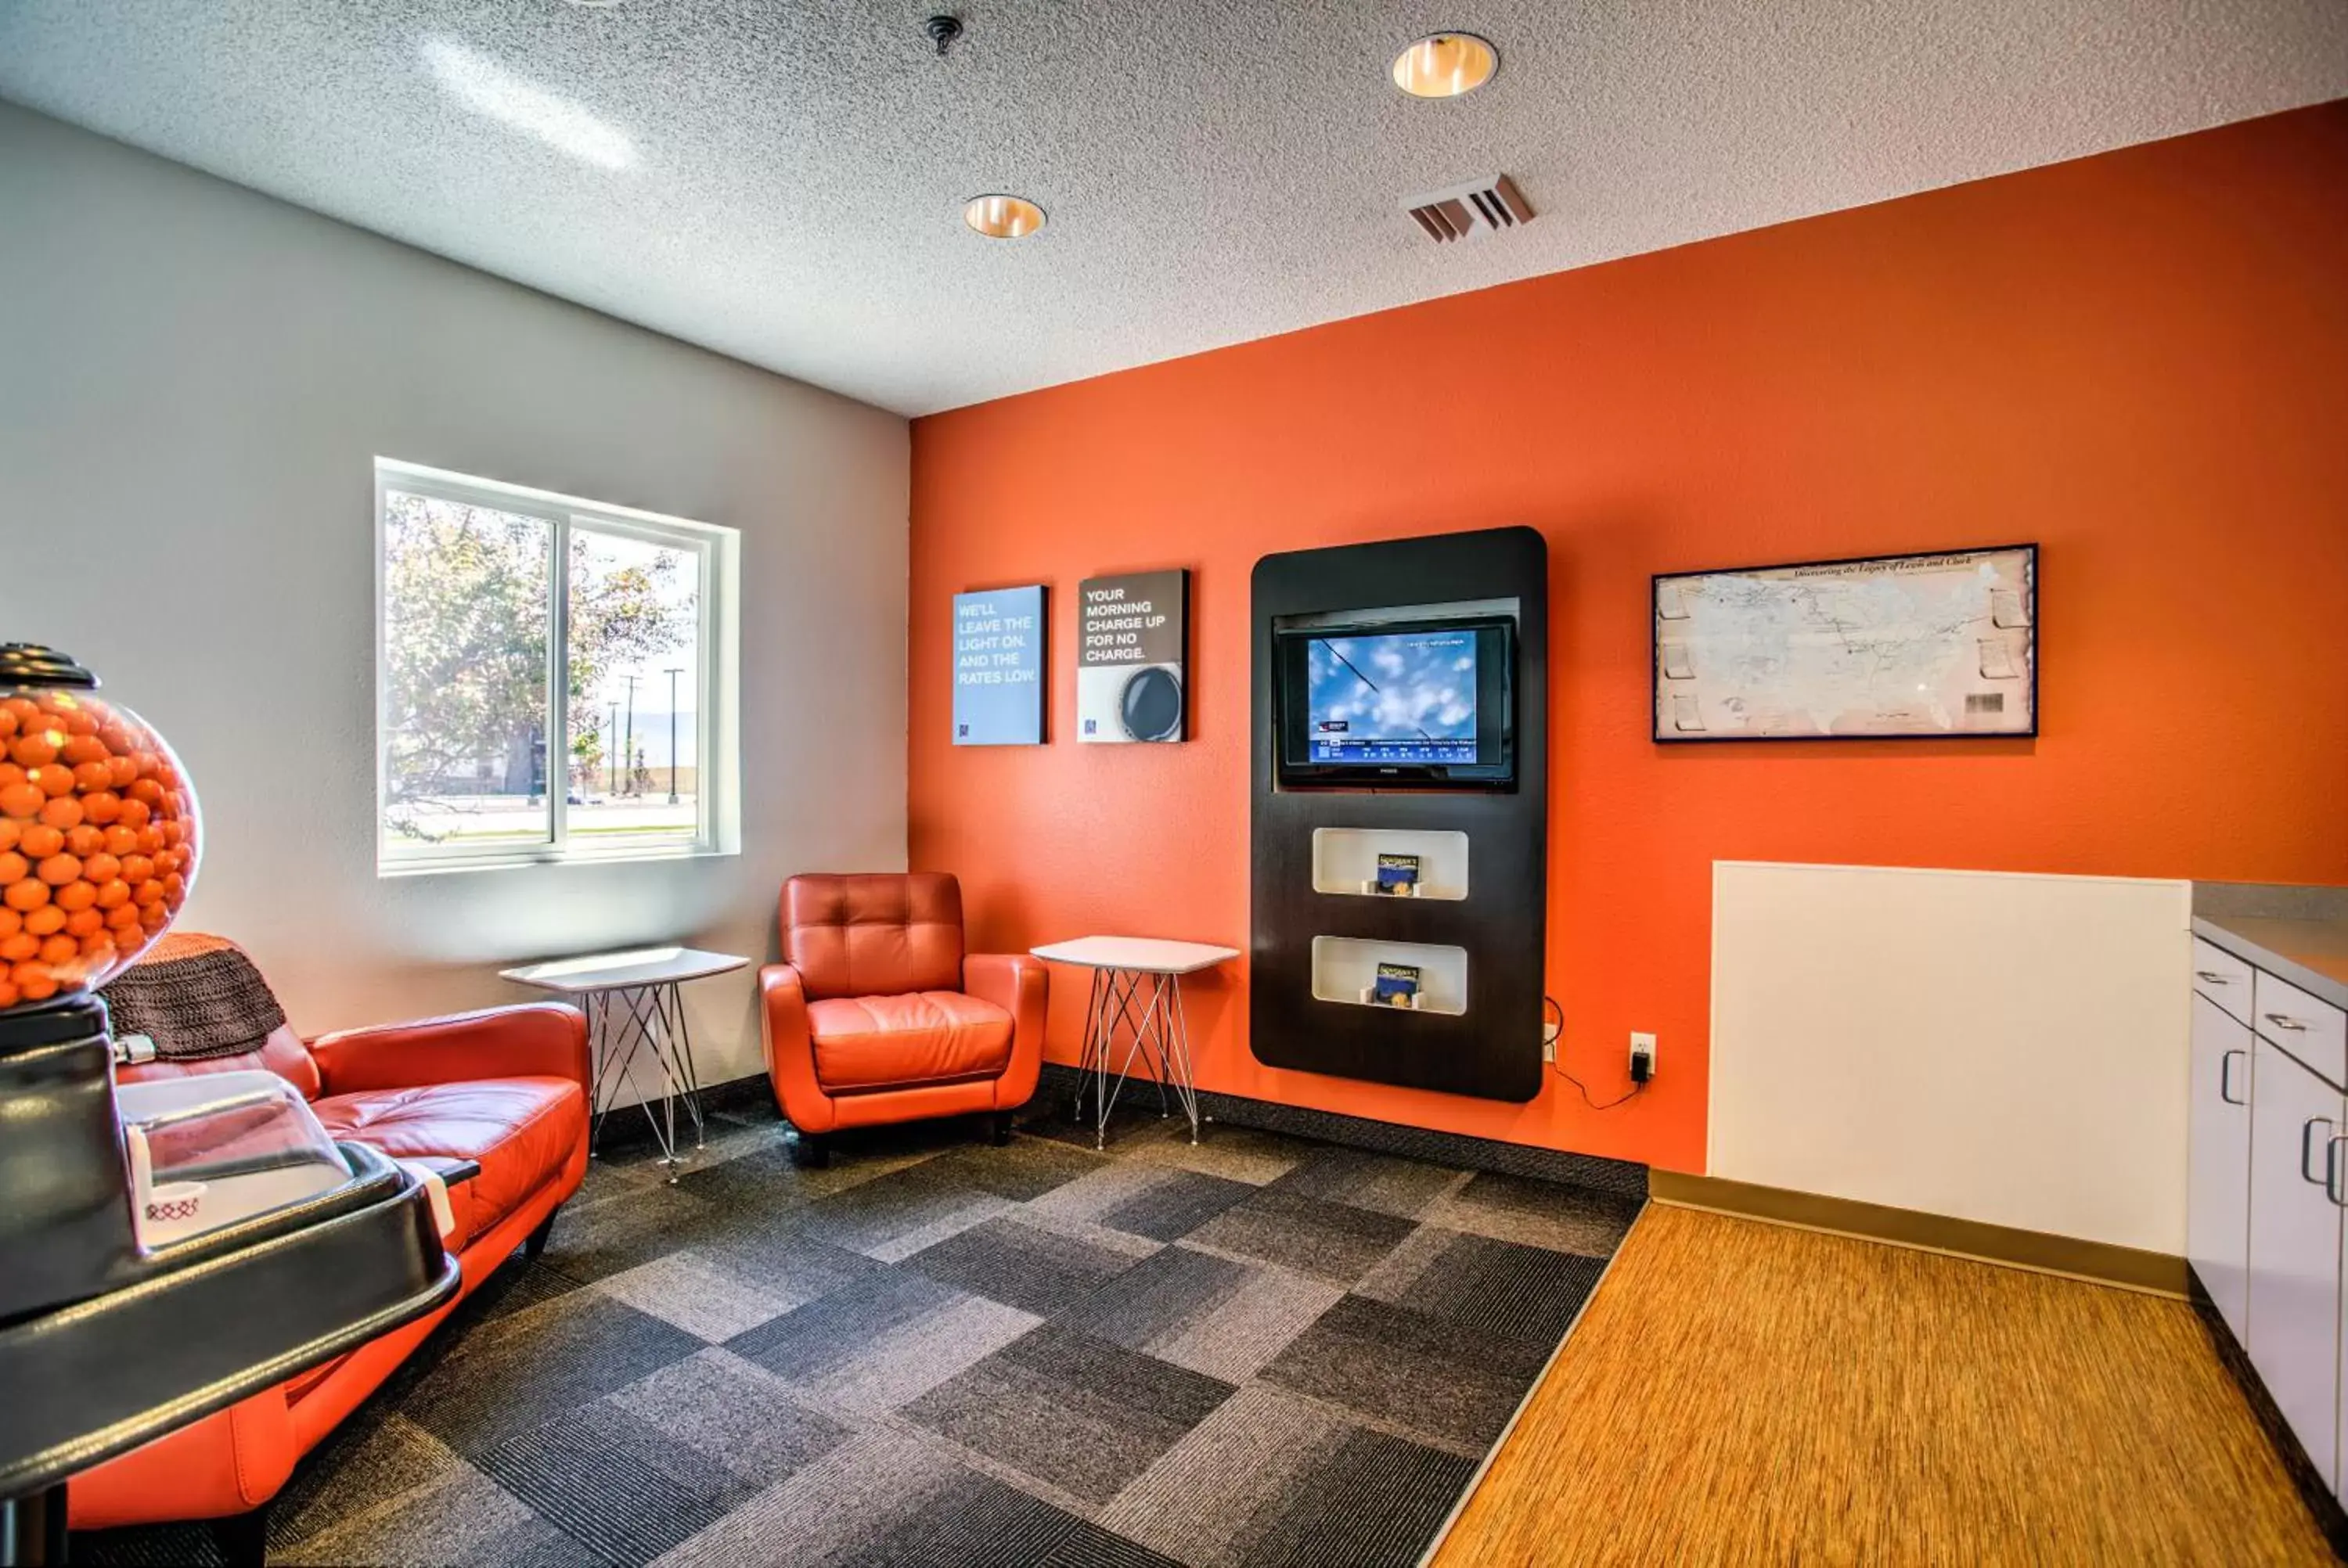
x,y
624,1022
1184,1073
1085,1058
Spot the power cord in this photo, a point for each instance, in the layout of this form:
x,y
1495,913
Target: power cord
x,y
1553,1037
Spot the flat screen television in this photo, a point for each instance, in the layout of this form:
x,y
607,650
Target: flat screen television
x,y
1426,704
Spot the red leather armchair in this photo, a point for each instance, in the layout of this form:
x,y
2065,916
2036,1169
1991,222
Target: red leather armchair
x,y
876,1015
506,1088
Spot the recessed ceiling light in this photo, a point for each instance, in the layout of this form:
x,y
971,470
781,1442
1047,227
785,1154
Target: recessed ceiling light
x,y
1003,217
1446,66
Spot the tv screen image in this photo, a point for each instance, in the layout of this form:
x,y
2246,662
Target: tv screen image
x,y
1404,698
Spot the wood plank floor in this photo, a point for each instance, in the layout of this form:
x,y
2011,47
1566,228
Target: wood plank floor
x,y
1741,1392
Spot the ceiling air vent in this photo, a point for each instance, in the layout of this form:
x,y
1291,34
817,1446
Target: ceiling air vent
x,y
1479,207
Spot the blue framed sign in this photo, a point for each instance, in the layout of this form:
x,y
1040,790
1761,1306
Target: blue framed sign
x,y
998,675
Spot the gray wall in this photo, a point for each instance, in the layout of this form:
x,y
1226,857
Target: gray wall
x,y
194,382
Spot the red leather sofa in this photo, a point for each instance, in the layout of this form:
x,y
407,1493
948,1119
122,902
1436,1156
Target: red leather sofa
x,y
506,1088
876,1015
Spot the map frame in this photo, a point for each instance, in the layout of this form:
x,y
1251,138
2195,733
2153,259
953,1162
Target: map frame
x,y
2024,647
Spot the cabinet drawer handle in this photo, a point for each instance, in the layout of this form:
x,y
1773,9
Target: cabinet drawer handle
x,y
2226,1078
2210,977
2332,1167
2307,1152
2292,1024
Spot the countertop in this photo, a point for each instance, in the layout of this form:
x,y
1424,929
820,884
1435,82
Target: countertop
x,y
2312,954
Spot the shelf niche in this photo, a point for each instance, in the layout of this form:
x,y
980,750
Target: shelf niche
x,y
1344,858
1344,967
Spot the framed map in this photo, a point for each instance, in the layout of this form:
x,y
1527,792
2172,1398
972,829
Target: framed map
x,y
1886,647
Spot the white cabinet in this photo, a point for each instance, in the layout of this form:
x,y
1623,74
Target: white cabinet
x,y
2267,1190
2217,1202
2294,1255
2222,978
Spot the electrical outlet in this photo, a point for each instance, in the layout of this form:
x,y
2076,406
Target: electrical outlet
x,y
1642,1045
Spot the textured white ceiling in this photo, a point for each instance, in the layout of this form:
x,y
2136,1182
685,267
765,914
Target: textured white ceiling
x,y
781,180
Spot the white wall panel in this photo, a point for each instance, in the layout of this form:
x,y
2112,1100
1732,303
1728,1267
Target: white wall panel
x,y
1997,1046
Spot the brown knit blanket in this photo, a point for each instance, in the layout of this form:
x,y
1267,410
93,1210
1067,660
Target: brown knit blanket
x,y
196,997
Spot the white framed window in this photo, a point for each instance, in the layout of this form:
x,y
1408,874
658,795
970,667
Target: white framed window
x,y
554,677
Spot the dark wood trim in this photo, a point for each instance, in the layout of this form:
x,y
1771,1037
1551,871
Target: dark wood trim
x,y
1622,1177
2099,1263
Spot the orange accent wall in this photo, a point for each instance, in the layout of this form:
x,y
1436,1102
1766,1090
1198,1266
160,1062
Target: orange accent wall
x,y
2139,360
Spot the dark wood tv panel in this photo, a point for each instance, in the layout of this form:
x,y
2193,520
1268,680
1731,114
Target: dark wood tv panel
x,y
1495,918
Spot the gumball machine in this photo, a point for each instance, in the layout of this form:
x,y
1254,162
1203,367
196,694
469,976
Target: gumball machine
x,y
120,1320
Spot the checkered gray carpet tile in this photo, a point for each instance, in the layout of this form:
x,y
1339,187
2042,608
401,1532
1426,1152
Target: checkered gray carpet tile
x,y
1256,1349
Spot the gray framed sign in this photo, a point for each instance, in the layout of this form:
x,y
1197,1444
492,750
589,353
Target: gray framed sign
x,y
1938,645
1133,644
998,653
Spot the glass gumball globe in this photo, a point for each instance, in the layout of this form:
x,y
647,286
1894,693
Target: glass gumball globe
x,y
100,834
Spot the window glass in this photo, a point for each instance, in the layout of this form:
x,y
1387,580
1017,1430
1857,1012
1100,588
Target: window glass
x,y
635,686
467,614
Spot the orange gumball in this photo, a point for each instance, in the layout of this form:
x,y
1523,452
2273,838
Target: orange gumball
x,y
85,841
146,895
100,869
14,867
16,949
122,770
34,981
122,917
26,894
9,829
37,746
75,895
60,949
54,780
113,895
91,777
65,811
20,799
46,921
80,749
121,840
84,924
39,841
98,950
149,791
9,722
100,806
10,921
59,869
137,868
154,918
134,813
9,995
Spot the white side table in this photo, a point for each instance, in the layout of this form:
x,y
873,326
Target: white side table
x,y
1137,987
633,1003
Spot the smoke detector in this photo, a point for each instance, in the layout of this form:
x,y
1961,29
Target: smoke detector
x,y
1479,207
